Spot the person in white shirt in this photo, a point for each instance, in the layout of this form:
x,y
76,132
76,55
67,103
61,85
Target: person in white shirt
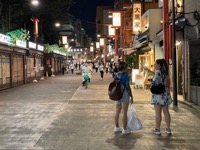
x,y
107,66
101,69
72,68
96,66
90,66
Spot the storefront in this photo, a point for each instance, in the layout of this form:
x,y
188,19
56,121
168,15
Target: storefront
x,y
5,69
18,63
53,63
146,60
34,62
12,60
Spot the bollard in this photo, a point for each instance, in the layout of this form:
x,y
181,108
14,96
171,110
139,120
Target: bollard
x,y
46,73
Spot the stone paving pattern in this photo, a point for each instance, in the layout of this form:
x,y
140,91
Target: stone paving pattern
x,y
59,114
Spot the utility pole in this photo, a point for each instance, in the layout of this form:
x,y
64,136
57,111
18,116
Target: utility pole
x,y
9,15
174,68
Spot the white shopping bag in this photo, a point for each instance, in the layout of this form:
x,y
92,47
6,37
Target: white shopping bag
x,y
133,120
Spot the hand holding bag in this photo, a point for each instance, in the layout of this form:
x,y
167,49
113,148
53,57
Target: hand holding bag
x,y
133,122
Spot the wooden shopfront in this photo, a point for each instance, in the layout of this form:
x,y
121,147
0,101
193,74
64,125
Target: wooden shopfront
x,y
34,62
53,63
18,63
12,70
5,66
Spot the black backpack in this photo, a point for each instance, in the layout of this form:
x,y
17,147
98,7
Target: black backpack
x,y
114,89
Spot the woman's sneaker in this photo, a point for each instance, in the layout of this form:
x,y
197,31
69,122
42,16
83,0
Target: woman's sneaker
x,y
117,129
168,131
127,131
156,131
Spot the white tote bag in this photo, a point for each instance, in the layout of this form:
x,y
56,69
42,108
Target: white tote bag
x,y
133,120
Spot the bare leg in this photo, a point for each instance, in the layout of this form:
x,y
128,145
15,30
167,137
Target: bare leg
x,y
158,115
167,116
117,112
124,117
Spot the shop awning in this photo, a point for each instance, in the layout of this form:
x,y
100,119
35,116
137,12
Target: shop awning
x,y
128,51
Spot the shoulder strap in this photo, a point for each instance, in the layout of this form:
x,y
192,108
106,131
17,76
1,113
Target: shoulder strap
x,y
120,80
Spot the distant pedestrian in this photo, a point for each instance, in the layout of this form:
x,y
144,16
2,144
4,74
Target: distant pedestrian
x,y
127,98
72,68
101,69
79,65
111,67
63,69
107,66
96,65
115,70
162,101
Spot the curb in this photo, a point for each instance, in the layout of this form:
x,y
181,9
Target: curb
x,y
192,105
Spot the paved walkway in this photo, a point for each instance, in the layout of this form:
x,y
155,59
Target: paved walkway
x,y
59,114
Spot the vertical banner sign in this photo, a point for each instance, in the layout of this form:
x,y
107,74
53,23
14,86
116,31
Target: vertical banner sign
x,y
116,22
91,48
101,41
35,25
111,31
97,45
136,18
64,39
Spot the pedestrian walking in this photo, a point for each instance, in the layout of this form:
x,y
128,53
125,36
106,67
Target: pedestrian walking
x,y
90,71
127,98
72,68
161,101
111,67
85,69
96,64
107,66
115,70
101,69
63,69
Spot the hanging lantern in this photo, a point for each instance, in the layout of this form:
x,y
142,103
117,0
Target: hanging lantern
x,y
116,20
101,41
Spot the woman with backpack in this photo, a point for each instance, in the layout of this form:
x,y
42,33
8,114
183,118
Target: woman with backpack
x,y
123,103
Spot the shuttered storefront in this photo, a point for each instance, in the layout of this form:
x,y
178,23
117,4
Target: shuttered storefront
x,y
4,71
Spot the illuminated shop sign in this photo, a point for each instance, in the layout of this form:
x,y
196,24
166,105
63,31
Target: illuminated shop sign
x,y
136,18
32,45
21,43
58,52
64,39
116,19
111,31
97,45
101,41
40,47
4,38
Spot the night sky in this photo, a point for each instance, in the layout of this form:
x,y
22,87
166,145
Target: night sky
x,y
85,10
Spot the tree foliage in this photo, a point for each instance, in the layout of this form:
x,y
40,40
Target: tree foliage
x,y
132,60
195,73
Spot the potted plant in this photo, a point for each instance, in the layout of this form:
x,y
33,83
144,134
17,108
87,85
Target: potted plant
x,y
195,83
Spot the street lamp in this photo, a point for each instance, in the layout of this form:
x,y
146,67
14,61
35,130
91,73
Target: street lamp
x,y
35,21
57,24
35,30
174,69
35,2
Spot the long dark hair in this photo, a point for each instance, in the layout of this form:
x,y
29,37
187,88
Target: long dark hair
x,y
163,66
122,65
